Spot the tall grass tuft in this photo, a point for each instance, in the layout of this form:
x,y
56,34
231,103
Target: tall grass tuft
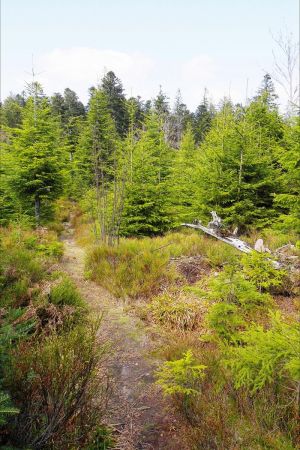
x,y
140,267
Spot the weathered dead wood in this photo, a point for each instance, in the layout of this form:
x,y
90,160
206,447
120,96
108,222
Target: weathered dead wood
x,y
214,229
235,242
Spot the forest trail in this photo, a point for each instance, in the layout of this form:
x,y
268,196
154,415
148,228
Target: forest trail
x,y
137,411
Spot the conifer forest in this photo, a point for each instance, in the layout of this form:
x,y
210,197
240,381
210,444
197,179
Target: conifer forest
x,y
149,267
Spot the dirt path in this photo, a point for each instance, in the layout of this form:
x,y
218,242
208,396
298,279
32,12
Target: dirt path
x,y
138,412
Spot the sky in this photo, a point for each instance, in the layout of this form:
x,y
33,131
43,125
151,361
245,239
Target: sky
x,y
222,45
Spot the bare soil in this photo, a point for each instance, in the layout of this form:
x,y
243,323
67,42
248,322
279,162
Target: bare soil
x,y
138,413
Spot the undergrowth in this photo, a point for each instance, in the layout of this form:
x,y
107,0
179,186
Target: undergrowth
x,y
141,267
51,363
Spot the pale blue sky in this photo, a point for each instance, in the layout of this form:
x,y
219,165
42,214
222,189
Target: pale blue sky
x,y
186,44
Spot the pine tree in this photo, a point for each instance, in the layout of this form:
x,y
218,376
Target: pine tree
x,y
266,92
288,157
58,106
183,180
238,173
202,119
97,163
11,110
38,179
146,206
112,87
72,105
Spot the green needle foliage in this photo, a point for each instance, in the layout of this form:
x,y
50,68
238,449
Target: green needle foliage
x,y
146,205
6,408
267,355
181,376
38,178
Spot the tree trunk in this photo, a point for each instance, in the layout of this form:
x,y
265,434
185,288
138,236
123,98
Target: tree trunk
x,y
37,209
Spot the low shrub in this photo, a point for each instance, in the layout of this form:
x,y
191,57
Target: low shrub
x,y
231,286
266,356
182,376
260,270
54,383
224,319
66,293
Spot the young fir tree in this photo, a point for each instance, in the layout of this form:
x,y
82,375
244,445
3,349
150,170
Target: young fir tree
x,y
146,206
288,156
183,180
38,179
97,162
238,172
9,204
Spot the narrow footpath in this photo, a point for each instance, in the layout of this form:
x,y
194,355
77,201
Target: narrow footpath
x,y
140,416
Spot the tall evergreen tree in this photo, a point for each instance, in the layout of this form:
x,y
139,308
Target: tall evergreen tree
x,y
114,91
58,106
146,206
183,180
36,146
238,172
266,92
73,106
288,156
11,110
97,162
202,119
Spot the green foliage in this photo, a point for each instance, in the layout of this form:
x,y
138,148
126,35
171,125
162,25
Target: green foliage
x,y
36,146
18,269
95,152
102,440
146,203
132,269
6,408
219,254
11,110
289,159
202,119
66,293
225,321
182,376
237,174
123,163
182,180
112,87
49,357
230,286
14,327
260,270
266,356
53,381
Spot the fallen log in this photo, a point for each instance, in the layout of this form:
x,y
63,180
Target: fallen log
x,y
235,242
214,229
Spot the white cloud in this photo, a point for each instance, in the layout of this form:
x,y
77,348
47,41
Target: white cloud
x,y
218,76
199,69
81,67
